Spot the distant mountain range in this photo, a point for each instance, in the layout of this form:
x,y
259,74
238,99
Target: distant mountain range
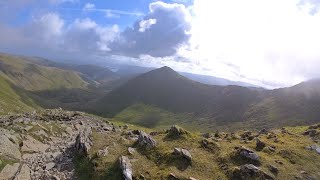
x,y
134,94
216,105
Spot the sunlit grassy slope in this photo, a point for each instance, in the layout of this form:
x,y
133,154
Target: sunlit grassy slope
x,y
33,77
13,99
290,156
22,80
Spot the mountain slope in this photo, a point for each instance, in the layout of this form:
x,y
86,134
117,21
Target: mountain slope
x,y
13,99
168,90
213,106
33,77
24,81
211,80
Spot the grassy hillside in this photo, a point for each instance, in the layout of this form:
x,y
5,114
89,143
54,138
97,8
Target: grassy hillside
x,y
34,77
30,83
284,150
13,99
170,97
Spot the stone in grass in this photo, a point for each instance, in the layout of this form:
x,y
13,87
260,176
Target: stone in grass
x,y
126,167
9,171
182,152
250,171
146,140
247,154
176,132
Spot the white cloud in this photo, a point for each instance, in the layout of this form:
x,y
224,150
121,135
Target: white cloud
x,y
160,33
267,40
110,14
146,24
89,6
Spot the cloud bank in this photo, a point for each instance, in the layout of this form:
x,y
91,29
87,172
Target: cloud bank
x,y
267,42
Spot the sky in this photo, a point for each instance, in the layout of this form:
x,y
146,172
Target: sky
x,y
271,43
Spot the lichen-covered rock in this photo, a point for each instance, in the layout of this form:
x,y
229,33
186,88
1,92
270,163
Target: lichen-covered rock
x,y
176,131
83,141
32,145
210,145
8,148
260,145
250,172
126,167
182,152
103,152
247,153
24,173
9,171
145,139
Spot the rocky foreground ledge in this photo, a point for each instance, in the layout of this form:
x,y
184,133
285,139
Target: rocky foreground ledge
x,y
48,145
42,145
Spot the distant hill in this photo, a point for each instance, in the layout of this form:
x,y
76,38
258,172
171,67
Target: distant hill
x,y
24,81
222,106
33,77
211,80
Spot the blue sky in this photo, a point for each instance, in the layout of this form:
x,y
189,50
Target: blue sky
x,y
270,43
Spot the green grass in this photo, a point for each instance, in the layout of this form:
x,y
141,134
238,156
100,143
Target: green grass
x,y
12,99
5,161
217,162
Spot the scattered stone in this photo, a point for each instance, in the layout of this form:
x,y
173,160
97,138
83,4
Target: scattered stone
x,y
260,145
247,135
131,150
50,165
176,131
207,135
146,140
250,171
9,171
8,148
192,178
247,153
83,141
27,128
317,126
263,131
172,177
271,135
210,145
103,152
279,162
126,167
182,152
273,169
54,177
311,132
24,173
32,145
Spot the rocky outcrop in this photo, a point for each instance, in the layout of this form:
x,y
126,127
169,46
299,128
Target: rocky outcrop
x,y
247,154
103,152
176,132
32,145
126,167
9,149
83,141
182,152
260,145
146,140
24,173
210,145
9,171
250,171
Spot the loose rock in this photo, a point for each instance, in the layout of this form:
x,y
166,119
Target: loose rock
x,y
126,167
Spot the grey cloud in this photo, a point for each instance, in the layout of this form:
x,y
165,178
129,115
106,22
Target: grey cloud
x,y
161,38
